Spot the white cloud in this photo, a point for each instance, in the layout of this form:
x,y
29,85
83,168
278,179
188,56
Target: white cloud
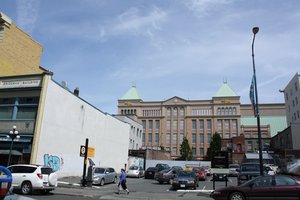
x,y
27,14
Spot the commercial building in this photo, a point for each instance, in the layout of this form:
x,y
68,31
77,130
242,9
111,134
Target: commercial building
x,y
52,121
165,123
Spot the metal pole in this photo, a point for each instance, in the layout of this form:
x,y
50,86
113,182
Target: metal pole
x,y
85,162
10,150
255,30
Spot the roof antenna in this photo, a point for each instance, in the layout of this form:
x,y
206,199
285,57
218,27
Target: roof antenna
x,y
225,80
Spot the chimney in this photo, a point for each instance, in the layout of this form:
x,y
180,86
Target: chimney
x,y
76,91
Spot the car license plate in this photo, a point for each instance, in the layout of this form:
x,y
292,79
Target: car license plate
x,y
182,185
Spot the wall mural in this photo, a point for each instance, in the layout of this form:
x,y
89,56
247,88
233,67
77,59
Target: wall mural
x,y
55,162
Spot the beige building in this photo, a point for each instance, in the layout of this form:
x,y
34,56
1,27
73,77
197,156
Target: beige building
x,y
165,123
19,53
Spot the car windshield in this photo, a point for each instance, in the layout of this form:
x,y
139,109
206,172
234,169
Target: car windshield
x,y
186,174
165,170
134,168
99,170
250,167
234,166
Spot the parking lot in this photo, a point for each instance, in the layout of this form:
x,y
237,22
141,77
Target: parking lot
x,y
139,189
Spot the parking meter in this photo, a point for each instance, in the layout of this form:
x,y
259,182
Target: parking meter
x,y
5,181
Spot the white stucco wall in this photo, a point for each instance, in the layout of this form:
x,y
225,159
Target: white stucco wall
x,y
67,121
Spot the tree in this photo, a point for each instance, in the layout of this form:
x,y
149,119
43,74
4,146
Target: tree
x,y
185,150
215,145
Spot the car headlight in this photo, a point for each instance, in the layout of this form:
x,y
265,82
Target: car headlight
x,y
96,178
191,181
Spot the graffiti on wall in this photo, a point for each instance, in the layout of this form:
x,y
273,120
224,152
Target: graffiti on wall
x,y
55,162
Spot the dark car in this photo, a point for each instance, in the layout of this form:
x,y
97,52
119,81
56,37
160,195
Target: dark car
x,y
248,171
262,187
185,179
166,175
150,172
161,166
200,172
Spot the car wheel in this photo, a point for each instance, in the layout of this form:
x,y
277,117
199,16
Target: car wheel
x,y
139,176
115,180
160,182
236,196
26,188
102,182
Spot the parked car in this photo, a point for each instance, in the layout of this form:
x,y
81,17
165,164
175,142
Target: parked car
x,y
135,171
262,187
161,166
178,168
200,172
150,172
28,178
208,170
233,169
166,175
248,171
185,179
104,175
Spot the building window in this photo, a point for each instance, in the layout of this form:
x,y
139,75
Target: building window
x,y
227,135
208,124
143,138
156,138
169,113
201,151
157,124
181,113
194,138
168,125
150,125
175,125
194,151
144,124
226,124
208,138
220,125
174,151
201,138
181,138
181,125
234,111
168,138
194,125
234,125
175,112
150,138
175,138
201,124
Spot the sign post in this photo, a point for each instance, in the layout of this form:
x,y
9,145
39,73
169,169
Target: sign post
x,y
84,153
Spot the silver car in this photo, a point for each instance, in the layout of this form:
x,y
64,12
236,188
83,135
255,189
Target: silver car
x,y
104,175
135,171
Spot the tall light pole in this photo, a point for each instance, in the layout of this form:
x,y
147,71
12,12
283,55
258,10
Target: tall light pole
x,y
256,109
12,135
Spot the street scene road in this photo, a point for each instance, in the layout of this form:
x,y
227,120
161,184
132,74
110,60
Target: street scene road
x,y
139,189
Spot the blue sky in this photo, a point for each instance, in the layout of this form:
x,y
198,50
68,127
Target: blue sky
x,y
166,48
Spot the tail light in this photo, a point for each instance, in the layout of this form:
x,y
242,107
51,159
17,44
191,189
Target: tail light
x,y
40,175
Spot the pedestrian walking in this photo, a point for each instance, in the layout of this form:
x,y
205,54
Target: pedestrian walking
x,y
122,182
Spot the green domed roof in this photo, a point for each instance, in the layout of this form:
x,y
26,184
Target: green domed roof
x,y
131,94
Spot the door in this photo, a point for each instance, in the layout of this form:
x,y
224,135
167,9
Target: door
x,y
262,189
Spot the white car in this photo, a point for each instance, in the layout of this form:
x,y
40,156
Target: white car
x,y
135,171
28,178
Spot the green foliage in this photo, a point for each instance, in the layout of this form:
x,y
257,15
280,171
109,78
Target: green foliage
x,y
215,145
185,150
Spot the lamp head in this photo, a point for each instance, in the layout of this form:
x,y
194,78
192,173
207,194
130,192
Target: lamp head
x,y
255,30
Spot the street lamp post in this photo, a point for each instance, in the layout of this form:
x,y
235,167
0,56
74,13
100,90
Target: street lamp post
x,y
255,31
12,134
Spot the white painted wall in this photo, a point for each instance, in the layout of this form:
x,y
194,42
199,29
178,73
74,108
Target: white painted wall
x,y
67,121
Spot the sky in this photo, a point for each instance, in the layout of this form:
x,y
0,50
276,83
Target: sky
x,y
166,48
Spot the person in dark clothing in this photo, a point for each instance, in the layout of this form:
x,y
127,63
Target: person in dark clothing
x,y
122,182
